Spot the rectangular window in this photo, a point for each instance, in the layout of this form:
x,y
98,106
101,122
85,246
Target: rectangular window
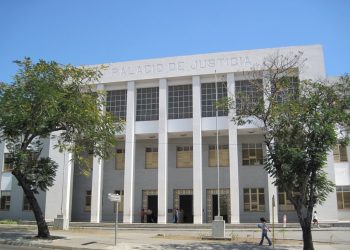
x,y
151,158
252,154
343,197
184,157
283,202
147,104
26,204
339,153
254,199
87,207
286,88
8,161
5,200
120,159
224,159
249,94
180,102
116,103
208,93
121,203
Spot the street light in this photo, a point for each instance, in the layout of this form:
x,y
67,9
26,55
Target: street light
x,y
115,198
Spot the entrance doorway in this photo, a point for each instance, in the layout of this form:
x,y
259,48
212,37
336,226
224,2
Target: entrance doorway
x,y
212,204
186,209
149,203
223,207
152,210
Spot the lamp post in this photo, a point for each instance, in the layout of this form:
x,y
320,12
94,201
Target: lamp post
x,y
115,198
218,224
273,221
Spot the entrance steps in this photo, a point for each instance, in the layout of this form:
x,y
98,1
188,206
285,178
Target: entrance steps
x,y
181,226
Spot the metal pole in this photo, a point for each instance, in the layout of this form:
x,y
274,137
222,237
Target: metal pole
x,y
217,142
273,221
62,191
116,225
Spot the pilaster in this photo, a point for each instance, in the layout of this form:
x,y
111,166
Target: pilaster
x,y
197,152
129,173
163,152
97,181
233,151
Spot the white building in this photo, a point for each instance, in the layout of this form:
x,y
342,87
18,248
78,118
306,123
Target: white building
x,y
166,156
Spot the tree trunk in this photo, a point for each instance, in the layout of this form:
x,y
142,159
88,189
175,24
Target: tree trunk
x,y
305,215
43,230
307,237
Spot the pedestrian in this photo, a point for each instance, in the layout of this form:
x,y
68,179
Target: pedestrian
x,y
150,216
315,219
142,215
264,229
181,216
176,216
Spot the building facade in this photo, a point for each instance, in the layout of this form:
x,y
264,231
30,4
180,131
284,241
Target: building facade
x,y
166,158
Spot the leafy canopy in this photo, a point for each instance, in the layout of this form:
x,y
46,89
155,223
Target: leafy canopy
x,y
48,99
301,121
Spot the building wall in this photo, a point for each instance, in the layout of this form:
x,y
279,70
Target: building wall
x,y
174,71
81,184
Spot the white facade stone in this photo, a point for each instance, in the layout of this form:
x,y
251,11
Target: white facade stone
x,y
167,185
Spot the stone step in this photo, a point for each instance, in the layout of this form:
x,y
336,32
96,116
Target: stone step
x,y
181,225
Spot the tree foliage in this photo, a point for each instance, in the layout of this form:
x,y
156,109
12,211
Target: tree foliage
x,y
49,100
302,121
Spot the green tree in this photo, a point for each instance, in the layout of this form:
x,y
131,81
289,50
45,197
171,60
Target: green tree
x,y
47,99
301,121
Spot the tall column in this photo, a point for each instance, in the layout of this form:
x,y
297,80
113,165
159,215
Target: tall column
x,y
233,151
96,192
197,152
2,156
129,173
58,202
67,186
271,188
163,152
97,183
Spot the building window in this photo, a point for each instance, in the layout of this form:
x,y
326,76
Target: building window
x,y
151,156
209,99
121,203
343,197
254,199
223,153
147,107
120,159
184,157
26,204
248,95
339,153
87,207
252,154
8,162
5,200
284,203
287,87
180,102
116,103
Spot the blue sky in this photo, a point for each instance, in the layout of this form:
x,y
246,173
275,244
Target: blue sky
x,y
101,31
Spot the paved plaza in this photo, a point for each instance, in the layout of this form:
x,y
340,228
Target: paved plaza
x,y
169,238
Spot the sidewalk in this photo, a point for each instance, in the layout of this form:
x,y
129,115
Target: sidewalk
x,y
103,238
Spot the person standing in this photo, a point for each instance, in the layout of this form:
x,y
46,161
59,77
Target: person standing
x,y
142,215
176,215
315,219
264,229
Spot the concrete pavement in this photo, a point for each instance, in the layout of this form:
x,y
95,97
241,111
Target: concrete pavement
x,y
170,238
